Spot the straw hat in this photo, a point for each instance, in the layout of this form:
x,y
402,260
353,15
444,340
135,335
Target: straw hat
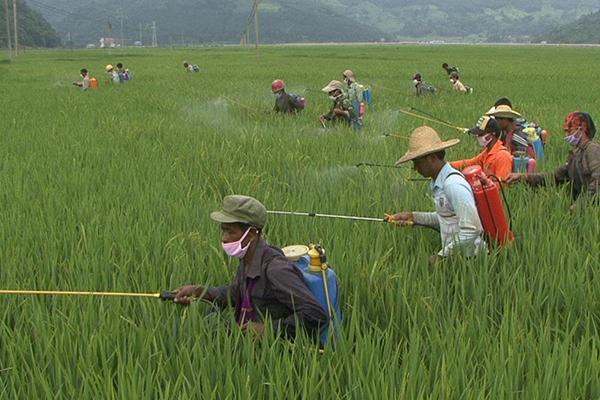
x,y
504,111
423,141
348,74
333,85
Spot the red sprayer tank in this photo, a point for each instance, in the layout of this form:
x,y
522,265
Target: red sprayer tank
x,y
489,205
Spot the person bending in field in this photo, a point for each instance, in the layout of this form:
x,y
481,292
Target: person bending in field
x,y
341,108
267,289
456,214
582,169
422,88
85,80
112,75
190,67
285,103
450,69
124,74
457,85
495,159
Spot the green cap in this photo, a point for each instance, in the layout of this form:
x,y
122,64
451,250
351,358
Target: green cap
x,y
241,209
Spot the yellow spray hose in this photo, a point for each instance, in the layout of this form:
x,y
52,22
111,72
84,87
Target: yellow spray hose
x,y
162,295
458,128
327,297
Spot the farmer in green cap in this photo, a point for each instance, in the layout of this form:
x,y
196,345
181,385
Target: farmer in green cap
x,y
341,109
267,288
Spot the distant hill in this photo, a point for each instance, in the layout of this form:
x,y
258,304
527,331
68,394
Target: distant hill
x,y
585,30
34,30
222,21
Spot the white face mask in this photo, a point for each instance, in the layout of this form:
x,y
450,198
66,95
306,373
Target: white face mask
x,y
332,98
416,82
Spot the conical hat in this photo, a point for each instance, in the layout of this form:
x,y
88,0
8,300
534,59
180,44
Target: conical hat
x,y
423,141
504,111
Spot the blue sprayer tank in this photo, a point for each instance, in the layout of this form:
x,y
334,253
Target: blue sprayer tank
x,y
314,281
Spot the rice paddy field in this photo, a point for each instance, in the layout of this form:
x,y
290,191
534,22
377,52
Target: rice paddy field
x,y
111,190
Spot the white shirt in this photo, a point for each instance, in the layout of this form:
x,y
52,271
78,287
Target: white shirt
x,y
456,214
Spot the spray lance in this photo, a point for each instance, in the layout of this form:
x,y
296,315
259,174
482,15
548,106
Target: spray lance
x,y
166,295
430,118
387,219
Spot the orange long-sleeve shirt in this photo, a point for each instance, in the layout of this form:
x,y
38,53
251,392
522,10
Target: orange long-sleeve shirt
x,y
496,161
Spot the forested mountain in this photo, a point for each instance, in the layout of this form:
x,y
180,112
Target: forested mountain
x,y
33,29
223,21
585,30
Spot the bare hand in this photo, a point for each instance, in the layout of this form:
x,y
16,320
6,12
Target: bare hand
x,y
401,218
255,328
514,178
185,294
339,111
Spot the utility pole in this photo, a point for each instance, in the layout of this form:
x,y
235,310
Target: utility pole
x,y
122,36
16,32
154,41
141,34
256,21
8,39
110,42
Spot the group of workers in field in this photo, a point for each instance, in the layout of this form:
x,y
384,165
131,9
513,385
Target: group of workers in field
x,y
120,74
349,101
423,88
270,293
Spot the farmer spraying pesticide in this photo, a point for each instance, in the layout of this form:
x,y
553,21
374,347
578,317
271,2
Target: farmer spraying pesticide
x,y
86,82
341,108
285,103
456,213
355,95
267,288
582,170
422,88
495,159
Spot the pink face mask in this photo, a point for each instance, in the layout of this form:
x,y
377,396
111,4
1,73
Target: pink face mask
x,y
484,140
235,249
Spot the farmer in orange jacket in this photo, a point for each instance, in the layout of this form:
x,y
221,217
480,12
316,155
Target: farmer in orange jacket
x,y
495,160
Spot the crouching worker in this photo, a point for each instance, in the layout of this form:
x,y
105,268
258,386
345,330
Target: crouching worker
x,y
495,160
285,103
456,214
341,109
267,288
582,170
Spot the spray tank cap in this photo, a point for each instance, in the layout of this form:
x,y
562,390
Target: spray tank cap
x,y
295,251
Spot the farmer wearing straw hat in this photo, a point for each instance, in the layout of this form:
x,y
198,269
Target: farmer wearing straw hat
x,y
112,75
456,214
341,109
582,170
267,288
513,138
355,95
495,159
